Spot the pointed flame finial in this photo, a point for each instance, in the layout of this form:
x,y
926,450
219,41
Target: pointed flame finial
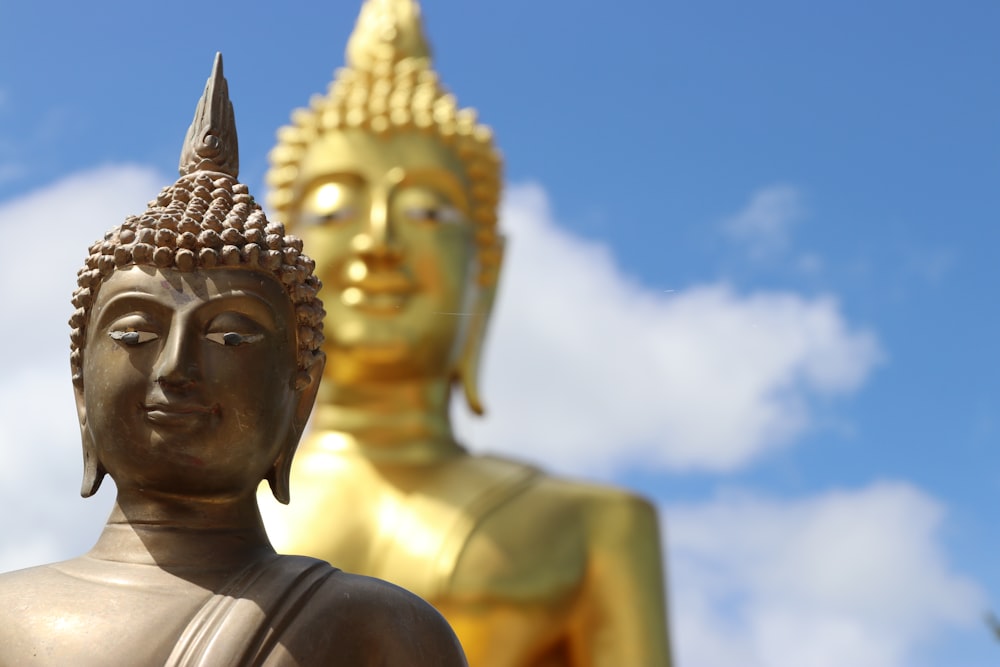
x,y
211,144
387,30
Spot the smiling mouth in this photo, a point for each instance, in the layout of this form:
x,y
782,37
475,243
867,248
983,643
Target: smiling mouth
x,y
375,301
379,291
178,414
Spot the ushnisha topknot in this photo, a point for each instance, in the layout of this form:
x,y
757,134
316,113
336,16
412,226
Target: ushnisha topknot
x,y
388,86
206,219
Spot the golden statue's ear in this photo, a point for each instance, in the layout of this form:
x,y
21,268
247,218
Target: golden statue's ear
x,y
93,470
305,384
467,371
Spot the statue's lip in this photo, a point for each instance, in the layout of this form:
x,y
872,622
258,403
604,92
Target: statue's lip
x,y
179,407
376,302
383,282
175,412
384,292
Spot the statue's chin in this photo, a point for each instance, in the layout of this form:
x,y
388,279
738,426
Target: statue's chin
x,y
385,361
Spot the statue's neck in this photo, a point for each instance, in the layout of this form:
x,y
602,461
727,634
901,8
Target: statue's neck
x,y
397,422
183,535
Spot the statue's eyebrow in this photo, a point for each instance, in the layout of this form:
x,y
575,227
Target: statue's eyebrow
x,y
128,302
256,306
439,178
343,177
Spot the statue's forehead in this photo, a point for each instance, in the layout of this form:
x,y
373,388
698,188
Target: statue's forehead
x,y
371,156
188,287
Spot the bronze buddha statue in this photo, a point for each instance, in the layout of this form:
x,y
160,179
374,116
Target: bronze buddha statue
x,y
196,359
395,191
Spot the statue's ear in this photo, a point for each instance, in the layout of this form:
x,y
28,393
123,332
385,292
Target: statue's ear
x,y
467,371
93,470
305,384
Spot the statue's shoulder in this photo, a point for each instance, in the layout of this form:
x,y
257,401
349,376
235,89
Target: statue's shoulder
x,y
490,469
546,497
367,621
570,518
27,599
21,588
609,516
502,555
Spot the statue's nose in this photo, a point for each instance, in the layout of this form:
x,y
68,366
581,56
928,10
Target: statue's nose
x,y
379,238
177,366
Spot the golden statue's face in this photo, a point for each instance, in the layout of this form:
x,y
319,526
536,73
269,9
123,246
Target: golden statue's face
x,y
387,221
188,378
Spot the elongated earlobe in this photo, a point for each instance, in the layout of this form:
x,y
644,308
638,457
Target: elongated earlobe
x,y
467,370
279,477
93,470
306,385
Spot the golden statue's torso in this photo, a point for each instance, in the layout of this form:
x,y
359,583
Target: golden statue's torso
x,y
516,560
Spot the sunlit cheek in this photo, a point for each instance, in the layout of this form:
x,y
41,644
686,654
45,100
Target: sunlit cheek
x,y
328,248
444,274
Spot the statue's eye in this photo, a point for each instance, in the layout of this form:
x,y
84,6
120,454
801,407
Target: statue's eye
x,y
232,339
437,214
132,337
330,203
328,217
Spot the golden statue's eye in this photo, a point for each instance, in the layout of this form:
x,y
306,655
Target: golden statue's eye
x,y
339,215
423,203
438,214
232,339
132,337
329,203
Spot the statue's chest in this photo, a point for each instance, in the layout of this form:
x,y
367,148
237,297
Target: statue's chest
x,y
88,623
406,527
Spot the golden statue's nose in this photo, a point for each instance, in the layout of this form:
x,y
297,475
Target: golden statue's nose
x,y
378,239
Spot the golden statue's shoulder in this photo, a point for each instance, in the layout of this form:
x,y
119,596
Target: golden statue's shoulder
x,y
504,555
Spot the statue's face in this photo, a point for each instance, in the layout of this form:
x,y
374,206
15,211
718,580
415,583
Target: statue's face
x,y
188,379
387,221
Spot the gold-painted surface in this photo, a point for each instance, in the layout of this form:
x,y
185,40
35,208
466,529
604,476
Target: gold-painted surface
x,y
196,364
395,190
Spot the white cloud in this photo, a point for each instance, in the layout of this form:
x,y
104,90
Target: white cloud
x,y
845,578
48,233
764,225
587,370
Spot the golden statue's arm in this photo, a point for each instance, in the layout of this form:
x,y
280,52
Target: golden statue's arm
x,y
623,621
573,571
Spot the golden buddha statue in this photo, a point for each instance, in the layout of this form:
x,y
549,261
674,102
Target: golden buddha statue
x,y
196,359
395,191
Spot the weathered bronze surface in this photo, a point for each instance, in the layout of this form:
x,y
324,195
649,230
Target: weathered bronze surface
x,y
196,362
395,191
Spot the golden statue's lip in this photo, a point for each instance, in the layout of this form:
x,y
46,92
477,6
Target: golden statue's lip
x,y
360,276
382,292
377,302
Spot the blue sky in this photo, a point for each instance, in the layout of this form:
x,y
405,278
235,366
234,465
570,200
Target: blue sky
x,y
832,160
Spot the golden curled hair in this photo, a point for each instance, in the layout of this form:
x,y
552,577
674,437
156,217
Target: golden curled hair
x,y
389,86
